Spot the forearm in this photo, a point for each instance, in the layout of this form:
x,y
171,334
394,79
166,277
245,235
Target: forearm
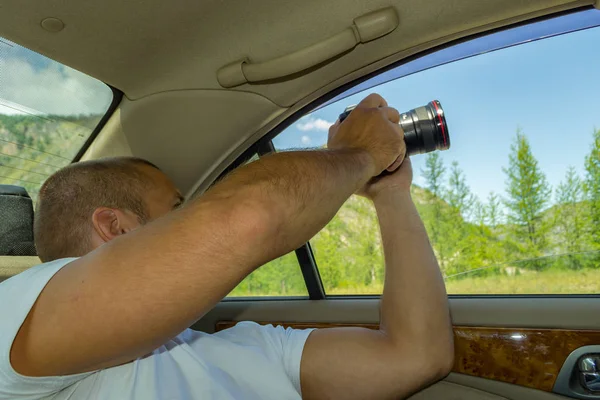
x,y
413,346
414,307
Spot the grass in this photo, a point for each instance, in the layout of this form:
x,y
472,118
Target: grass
x,y
553,281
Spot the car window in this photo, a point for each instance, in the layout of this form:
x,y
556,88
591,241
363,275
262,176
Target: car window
x,y
47,112
279,278
514,206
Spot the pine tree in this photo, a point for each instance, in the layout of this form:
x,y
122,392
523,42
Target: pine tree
x,y
434,174
528,193
468,244
435,218
592,190
480,213
494,212
459,195
569,218
477,239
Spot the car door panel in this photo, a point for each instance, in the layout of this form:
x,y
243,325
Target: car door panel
x,y
509,348
479,388
577,313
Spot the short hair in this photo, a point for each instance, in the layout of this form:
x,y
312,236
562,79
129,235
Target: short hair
x,y
68,198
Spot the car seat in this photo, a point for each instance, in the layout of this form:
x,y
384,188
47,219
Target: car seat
x,y
16,222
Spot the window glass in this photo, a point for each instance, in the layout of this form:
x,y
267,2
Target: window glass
x,y
514,206
279,278
47,111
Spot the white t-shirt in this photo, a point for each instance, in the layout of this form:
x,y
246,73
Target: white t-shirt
x,y
248,361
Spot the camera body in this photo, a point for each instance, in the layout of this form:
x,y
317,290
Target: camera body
x,y
425,128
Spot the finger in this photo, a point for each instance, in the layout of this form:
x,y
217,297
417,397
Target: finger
x,y
372,101
399,130
392,114
396,164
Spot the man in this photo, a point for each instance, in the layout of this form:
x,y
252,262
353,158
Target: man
x,y
108,325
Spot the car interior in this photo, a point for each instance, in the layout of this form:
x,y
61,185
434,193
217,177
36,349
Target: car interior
x,y
200,88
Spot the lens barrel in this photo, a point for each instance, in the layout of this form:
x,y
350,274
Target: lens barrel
x,y
425,128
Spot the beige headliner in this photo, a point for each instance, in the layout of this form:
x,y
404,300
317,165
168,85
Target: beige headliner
x,y
164,57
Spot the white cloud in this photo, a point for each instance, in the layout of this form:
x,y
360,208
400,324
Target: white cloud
x,y
305,140
314,124
30,86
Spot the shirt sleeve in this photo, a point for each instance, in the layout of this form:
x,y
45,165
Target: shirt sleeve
x,y
17,296
293,346
284,345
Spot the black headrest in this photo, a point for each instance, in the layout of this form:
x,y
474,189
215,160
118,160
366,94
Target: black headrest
x,y
16,222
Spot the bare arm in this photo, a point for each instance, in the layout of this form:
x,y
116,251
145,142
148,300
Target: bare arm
x,y
134,293
413,346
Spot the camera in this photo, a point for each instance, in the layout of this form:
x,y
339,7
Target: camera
x,y
425,128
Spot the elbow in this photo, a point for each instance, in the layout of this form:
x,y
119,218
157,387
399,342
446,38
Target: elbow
x,y
443,362
424,362
438,358
432,359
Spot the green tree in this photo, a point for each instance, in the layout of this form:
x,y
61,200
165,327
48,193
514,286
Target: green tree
x,y
569,218
493,210
459,195
467,242
592,191
433,173
477,238
494,216
528,194
435,219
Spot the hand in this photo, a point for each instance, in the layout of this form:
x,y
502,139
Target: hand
x,y
372,126
398,181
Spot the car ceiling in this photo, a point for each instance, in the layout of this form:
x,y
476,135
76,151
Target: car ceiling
x,y
164,57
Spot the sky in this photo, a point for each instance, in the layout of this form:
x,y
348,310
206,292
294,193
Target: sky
x,y
33,84
547,88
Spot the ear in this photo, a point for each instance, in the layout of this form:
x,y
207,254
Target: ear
x,y
110,223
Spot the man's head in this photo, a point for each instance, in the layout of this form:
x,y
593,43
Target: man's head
x,y
89,203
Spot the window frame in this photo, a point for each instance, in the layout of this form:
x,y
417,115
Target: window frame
x,y
116,100
264,146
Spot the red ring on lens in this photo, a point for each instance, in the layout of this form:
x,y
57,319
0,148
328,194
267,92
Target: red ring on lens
x,y
437,112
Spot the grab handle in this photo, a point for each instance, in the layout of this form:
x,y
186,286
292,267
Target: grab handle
x,y
363,29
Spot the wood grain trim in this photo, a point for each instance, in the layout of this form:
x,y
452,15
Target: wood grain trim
x,y
526,357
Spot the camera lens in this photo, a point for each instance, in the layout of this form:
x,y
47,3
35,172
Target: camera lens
x,y
425,129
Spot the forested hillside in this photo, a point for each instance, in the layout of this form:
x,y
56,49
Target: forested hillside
x,y
32,147
526,238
